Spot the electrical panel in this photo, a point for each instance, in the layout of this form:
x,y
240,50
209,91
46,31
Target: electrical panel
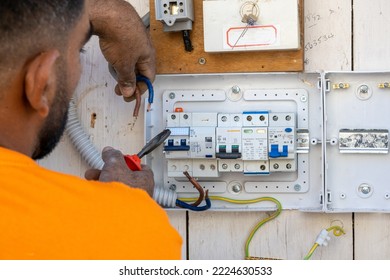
x,y
314,141
250,25
357,128
240,136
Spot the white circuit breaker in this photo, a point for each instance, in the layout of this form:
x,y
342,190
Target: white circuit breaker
x,y
314,141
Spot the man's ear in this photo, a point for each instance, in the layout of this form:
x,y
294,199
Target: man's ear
x,y
39,82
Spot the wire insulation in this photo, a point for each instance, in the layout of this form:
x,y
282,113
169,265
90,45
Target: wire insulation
x,y
336,230
249,201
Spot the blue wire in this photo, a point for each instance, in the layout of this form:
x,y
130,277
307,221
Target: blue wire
x,y
182,204
148,83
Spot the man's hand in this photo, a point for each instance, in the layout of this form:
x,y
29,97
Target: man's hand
x,y
125,44
116,170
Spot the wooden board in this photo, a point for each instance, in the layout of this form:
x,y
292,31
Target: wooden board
x,y
173,59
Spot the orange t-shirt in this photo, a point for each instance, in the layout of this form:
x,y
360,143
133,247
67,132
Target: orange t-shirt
x,y
49,215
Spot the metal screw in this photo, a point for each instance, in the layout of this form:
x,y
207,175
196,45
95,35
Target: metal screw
x,y
224,166
172,187
202,167
172,95
297,187
212,167
262,118
185,116
236,118
202,61
224,119
288,165
262,167
173,117
275,118
236,188
236,89
364,188
288,118
303,98
363,89
249,118
237,166
276,166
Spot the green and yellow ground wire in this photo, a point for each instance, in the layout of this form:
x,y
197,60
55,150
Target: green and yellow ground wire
x,y
337,231
248,201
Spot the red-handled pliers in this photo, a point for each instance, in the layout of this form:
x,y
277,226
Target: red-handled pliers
x,y
134,161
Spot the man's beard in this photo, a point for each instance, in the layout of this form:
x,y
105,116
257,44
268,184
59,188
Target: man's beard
x,y
55,123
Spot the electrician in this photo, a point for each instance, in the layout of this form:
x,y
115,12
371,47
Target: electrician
x,y
45,214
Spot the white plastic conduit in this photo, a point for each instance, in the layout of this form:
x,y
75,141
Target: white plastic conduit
x,y
92,156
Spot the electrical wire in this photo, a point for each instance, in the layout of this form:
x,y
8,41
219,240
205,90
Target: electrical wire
x,y
249,201
337,231
313,248
148,83
262,222
185,205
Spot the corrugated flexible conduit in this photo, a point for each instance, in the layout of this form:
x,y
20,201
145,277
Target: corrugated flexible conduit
x,y
92,156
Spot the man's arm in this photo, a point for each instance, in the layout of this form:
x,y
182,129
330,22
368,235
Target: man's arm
x,y
125,43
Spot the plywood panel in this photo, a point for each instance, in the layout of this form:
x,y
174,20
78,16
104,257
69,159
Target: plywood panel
x,y
172,58
371,52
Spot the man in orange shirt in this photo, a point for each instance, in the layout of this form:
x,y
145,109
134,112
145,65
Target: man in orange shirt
x,y
45,214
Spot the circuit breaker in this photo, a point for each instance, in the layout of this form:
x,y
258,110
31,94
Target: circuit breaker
x,y
244,142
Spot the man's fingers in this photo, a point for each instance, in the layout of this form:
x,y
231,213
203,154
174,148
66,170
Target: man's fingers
x,y
126,90
126,78
110,155
117,90
145,167
92,174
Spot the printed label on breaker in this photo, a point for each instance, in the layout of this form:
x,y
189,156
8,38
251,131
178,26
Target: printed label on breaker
x,y
254,143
